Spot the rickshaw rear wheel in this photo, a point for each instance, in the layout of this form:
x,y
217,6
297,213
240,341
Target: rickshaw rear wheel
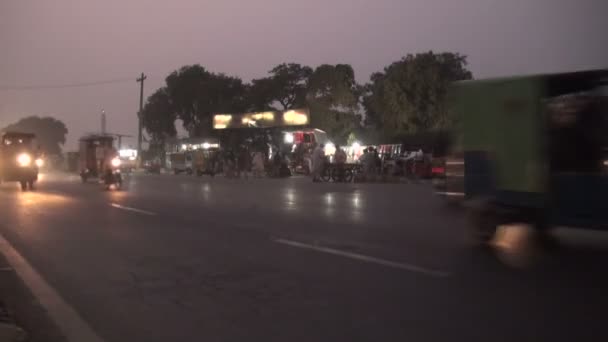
x,y
23,185
30,185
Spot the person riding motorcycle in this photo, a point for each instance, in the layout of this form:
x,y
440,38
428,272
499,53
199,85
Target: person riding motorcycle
x,y
110,167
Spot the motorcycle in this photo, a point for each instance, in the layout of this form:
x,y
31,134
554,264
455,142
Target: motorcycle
x,y
112,175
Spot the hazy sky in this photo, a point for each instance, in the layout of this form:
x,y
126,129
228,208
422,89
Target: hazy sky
x,y
54,42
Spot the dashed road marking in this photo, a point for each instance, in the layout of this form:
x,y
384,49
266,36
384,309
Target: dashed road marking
x,y
73,327
135,210
369,259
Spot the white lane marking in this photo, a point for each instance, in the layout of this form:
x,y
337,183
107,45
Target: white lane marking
x,y
365,258
454,163
73,327
135,210
447,193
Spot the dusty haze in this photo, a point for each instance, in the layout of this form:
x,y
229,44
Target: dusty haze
x,y
63,42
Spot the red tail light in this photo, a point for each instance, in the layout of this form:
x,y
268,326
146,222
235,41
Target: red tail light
x,y
438,170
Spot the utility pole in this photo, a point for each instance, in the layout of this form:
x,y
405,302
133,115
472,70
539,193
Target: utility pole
x,y
140,80
103,121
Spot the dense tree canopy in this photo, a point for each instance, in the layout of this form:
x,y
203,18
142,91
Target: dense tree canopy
x,y
196,94
158,116
284,88
49,131
333,99
409,95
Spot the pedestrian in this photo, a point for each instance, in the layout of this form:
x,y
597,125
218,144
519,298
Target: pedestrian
x,y
340,159
258,164
277,161
368,162
318,162
244,163
229,164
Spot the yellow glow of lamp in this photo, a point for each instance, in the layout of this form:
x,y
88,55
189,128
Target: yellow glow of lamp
x,y
221,121
292,117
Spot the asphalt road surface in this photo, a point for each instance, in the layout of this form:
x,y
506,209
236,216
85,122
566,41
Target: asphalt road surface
x,y
180,258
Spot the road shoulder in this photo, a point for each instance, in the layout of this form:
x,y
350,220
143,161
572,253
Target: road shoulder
x,y
23,308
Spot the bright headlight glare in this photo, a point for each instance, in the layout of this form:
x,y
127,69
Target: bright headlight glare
x,y
24,159
39,162
115,162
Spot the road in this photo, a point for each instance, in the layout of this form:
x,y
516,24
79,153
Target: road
x,y
180,258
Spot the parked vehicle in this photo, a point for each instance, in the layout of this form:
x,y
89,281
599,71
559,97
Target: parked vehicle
x,y
180,162
19,159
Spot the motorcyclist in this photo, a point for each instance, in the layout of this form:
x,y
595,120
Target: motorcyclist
x,y
111,162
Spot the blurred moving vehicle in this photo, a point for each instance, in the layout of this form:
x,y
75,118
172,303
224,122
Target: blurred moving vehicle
x,y
99,159
533,151
448,177
19,159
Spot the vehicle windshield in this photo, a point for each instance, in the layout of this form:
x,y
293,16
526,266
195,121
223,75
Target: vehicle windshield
x,y
17,142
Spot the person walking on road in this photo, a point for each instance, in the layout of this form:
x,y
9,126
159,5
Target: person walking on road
x,y
318,162
258,164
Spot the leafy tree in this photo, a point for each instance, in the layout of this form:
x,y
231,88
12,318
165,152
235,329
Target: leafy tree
x,y
333,99
409,95
158,117
197,94
284,88
49,131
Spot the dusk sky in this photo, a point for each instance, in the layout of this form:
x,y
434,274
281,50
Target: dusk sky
x,y
59,42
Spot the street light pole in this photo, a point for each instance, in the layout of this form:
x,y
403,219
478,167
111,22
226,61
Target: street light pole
x,y
140,80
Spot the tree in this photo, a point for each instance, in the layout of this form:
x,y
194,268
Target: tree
x,y
333,99
158,117
285,88
409,95
197,94
49,131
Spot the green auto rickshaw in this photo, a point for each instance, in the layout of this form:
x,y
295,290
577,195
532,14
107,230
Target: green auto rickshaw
x,y
534,150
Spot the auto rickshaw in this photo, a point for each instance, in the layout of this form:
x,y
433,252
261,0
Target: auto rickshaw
x,y
205,161
99,159
19,159
534,150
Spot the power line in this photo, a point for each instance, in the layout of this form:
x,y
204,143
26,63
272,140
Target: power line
x,y
64,86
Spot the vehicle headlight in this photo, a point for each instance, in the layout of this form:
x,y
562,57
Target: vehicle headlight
x,y
116,162
24,159
39,162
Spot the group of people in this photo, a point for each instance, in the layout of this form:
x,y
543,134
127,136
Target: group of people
x,y
371,161
240,164
320,161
